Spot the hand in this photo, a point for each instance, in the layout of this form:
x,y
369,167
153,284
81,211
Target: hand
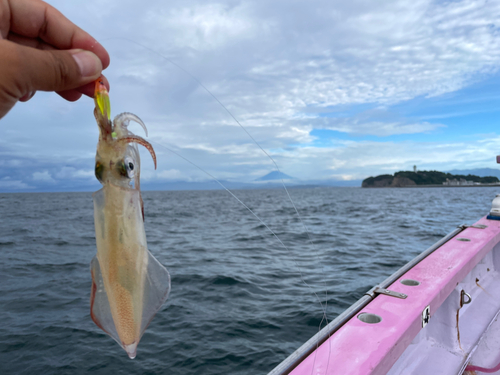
x,y
40,49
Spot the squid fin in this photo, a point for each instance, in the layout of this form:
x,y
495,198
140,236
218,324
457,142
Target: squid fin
x,y
156,290
99,303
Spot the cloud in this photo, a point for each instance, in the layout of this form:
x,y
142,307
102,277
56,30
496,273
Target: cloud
x,y
379,122
6,184
43,176
202,26
71,172
282,68
362,159
170,174
385,128
328,53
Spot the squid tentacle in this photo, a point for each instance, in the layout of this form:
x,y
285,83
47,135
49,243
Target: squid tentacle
x,y
122,120
141,141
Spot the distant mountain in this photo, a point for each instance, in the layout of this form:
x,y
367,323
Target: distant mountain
x,y
290,182
275,176
481,172
271,180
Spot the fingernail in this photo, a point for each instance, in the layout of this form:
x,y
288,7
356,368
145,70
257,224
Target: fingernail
x,y
89,64
27,97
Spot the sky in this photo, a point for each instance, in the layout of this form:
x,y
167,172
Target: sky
x,y
332,90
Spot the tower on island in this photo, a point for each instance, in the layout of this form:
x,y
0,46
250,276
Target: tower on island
x,y
415,168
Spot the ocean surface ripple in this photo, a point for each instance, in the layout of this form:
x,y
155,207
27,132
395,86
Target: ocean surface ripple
x,y
240,302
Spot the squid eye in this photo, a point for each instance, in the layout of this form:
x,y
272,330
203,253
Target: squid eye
x,y
99,170
126,167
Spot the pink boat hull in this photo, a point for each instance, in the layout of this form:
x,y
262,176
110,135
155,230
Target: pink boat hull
x,y
459,282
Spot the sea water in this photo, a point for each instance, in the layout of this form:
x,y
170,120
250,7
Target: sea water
x,y
240,302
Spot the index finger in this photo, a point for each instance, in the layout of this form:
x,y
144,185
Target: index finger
x,y
37,19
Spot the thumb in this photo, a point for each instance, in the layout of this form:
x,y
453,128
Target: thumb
x,y
60,70
31,69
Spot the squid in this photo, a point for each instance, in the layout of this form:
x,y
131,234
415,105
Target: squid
x,y
129,285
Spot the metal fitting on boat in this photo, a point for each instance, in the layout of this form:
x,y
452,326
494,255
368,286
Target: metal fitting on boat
x,y
465,298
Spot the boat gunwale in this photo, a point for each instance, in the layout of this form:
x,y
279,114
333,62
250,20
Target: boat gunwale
x,y
293,360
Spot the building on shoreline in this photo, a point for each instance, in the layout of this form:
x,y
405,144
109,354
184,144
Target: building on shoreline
x,y
461,182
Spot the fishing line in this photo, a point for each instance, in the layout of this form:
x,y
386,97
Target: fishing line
x,y
324,308
244,205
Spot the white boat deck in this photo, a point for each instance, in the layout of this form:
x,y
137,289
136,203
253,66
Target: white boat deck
x,y
444,345
487,353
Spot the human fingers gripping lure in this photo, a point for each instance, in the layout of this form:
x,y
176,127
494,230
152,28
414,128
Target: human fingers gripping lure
x,y
129,285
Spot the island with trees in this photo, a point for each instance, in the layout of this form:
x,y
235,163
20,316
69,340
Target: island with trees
x,y
426,178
